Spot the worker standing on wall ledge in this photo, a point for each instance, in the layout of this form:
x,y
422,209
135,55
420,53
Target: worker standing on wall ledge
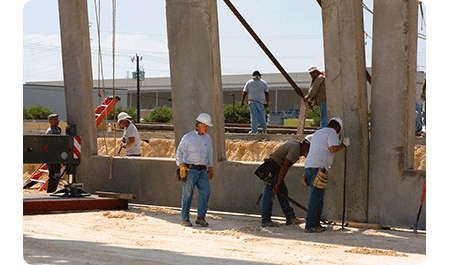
x,y
317,94
258,101
195,162
324,143
281,160
131,140
53,169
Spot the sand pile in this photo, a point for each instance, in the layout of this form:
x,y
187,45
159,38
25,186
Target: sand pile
x,y
420,157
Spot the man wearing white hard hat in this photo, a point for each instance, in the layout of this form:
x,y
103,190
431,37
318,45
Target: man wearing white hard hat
x,y
317,93
195,162
131,140
324,143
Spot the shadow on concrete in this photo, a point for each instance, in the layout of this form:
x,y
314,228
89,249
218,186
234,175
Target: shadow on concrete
x,y
54,251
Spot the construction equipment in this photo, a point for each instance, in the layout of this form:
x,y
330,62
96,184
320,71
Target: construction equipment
x,y
56,149
420,207
100,114
105,107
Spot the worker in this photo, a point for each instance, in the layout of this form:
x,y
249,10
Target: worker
x,y
258,97
284,157
53,169
317,94
195,161
324,144
131,140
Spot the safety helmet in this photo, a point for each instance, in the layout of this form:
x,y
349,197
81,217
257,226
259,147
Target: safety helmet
x,y
339,121
307,139
205,119
312,68
123,116
256,72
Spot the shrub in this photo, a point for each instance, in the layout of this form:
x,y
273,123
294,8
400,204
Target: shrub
x,y
116,111
36,113
314,114
240,114
160,114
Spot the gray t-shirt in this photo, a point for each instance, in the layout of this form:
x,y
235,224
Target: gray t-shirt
x,y
289,150
256,88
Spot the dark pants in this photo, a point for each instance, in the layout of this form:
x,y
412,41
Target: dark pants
x,y
53,177
315,204
267,201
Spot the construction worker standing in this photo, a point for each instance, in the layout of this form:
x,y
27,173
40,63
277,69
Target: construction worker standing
x,y
53,169
282,159
324,143
317,94
258,97
195,162
131,140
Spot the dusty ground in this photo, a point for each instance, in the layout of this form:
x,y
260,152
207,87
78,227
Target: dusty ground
x,y
153,235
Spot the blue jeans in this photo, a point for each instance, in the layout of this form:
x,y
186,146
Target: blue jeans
x,y
315,204
257,116
268,198
323,115
199,179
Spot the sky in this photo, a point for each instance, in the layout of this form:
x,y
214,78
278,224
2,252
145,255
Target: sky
x,y
291,29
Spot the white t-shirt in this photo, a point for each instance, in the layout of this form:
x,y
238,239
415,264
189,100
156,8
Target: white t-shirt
x,y
256,88
319,155
135,148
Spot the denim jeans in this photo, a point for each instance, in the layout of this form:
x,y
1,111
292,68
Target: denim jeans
x,y
315,204
323,115
199,179
267,202
257,116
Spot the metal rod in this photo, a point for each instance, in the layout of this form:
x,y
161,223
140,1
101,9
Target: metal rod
x,y
264,48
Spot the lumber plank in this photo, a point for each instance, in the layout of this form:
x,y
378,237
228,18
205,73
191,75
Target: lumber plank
x,y
122,196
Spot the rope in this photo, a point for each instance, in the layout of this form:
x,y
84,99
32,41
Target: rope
x,y
100,64
114,65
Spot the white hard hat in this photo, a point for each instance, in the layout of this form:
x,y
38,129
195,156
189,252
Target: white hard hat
x,y
339,121
312,68
123,116
205,119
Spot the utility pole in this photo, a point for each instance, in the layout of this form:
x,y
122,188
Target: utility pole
x,y
138,78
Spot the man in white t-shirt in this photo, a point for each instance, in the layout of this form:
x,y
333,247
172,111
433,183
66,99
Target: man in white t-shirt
x,y
324,143
131,139
258,100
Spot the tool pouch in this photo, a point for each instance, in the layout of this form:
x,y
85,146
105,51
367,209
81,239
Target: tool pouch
x,y
321,179
178,177
267,170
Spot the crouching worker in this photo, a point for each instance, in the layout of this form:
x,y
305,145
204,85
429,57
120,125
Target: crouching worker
x,y
278,165
131,140
195,161
324,143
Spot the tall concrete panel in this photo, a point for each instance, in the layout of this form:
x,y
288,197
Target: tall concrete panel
x,y
392,112
345,70
77,68
195,73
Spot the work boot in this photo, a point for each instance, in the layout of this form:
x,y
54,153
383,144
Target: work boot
x,y
295,221
317,229
270,224
201,221
186,223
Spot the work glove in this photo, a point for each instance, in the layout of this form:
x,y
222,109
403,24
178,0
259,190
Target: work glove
x,y
123,145
346,142
183,169
210,173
